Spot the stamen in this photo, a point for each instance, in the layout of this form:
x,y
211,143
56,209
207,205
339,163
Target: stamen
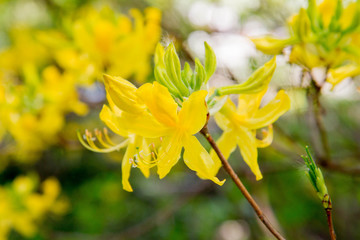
x,y
100,138
88,141
107,136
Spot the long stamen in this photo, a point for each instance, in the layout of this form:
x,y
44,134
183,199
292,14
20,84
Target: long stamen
x,y
99,137
87,140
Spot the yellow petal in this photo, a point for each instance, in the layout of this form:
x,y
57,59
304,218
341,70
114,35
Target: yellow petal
x,y
200,161
226,144
144,156
247,144
169,153
267,138
193,114
327,10
305,55
142,124
160,103
248,104
270,113
123,94
270,45
338,74
226,115
348,14
111,120
127,165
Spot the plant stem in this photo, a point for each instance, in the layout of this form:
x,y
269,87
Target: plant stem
x,y
240,185
330,223
314,95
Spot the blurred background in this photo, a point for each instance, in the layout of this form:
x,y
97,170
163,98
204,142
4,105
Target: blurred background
x,y
52,57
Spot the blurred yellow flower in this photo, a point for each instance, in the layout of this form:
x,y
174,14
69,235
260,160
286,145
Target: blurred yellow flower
x,y
326,36
24,50
241,123
33,112
22,208
104,41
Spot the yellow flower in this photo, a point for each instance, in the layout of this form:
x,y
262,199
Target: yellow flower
x,y
125,115
182,125
24,44
33,111
240,124
104,41
326,35
23,209
148,117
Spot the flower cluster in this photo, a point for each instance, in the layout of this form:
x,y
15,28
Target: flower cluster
x,y
326,35
103,41
23,209
160,119
39,89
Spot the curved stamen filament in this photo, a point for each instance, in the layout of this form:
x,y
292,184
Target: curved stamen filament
x,y
88,141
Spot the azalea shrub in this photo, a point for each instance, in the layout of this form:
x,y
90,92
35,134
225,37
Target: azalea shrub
x,y
156,120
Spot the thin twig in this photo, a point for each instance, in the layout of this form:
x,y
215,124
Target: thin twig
x,y
240,185
330,223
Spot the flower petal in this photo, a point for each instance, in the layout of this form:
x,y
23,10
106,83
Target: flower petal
x,y
169,153
160,103
193,113
267,138
272,46
111,120
123,94
226,115
247,143
200,161
248,104
336,75
271,112
144,154
127,165
144,125
226,144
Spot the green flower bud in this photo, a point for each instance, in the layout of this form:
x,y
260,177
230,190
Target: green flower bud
x,y
317,180
181,83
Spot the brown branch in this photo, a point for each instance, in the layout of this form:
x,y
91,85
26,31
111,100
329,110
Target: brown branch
x,y
240,185
330,223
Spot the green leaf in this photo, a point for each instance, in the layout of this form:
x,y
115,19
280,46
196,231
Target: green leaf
x,y
200,74
173,69
186,75
210,61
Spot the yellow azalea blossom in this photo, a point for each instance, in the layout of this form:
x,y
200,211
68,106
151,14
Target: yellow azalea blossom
x,y
33,112
24,50
22,208
241,123
104,41
181,126
326,36
148,117
125,114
